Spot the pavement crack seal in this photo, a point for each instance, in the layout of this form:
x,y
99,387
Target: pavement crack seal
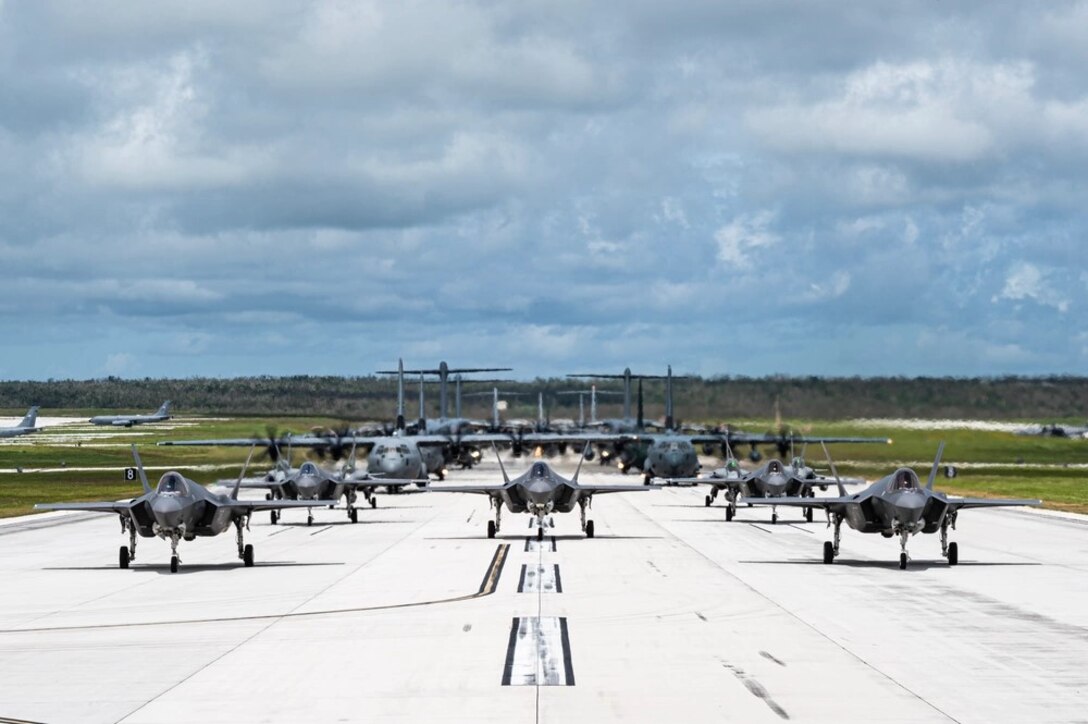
x,y
757,689
842,647
487,587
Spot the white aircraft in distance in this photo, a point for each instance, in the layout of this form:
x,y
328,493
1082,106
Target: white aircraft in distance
x,y
25,426
160,415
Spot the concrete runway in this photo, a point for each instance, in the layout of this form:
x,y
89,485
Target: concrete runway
x,y
670,613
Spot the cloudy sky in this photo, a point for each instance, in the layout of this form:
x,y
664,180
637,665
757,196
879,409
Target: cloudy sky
x,y
235,188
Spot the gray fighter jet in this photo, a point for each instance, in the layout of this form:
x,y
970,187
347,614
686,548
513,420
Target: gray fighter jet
x,y
178,509
160,415
318,485
774,479
540,492
896,505
25,426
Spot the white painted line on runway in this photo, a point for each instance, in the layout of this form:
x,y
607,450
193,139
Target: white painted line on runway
x,y
532,545
538,653
539,579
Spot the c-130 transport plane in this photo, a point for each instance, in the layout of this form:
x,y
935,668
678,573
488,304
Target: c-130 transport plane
x,y
540,491
160,415
179,508
895,505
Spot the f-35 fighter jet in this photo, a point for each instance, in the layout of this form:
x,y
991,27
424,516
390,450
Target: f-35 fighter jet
x,y
318,485
178,509
540,492
774,479
896,505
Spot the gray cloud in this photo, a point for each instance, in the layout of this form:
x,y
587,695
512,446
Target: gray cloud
x,y
743,187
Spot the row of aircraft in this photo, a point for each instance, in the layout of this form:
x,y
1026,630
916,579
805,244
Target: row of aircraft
x,y
180,509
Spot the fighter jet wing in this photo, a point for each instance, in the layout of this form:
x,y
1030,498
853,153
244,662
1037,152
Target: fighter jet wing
x,y
477,489
602,489
380,482
959,503
101,507
254,506
801,502
708,480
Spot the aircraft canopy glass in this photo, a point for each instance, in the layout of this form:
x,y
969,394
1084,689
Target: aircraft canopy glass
x,y
774,467
308,469
173,483
904,480
539,470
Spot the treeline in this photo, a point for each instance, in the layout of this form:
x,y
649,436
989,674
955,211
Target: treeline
x,y
697,399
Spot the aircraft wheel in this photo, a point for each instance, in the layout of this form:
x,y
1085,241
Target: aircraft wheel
x,y
268,496
589,529
829,552
354,515
729,514
953,554
122,557
273,516
707,501
309,520
774,518
902,561
247,555
491,530
808,514
173,564
540,534
373,502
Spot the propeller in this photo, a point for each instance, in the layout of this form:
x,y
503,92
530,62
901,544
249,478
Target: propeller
x,y
336,446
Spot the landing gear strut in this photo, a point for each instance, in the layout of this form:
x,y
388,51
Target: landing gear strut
x,y
831,549
587,525
951,551
903,557
245,551
125,555
494,525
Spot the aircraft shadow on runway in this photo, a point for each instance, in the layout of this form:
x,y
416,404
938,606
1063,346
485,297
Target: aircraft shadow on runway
x,y
164,569
522,538
318,524
891,564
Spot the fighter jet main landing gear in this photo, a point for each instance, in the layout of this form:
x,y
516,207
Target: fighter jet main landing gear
x,y
587,525
831,547
494,525
951,551
127,553
274,516
245,550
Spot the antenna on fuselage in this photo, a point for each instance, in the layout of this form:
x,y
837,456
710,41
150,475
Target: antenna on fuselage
x,y
238,482
936,464
140,469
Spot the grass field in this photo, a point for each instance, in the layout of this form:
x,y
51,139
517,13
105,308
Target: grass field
x,y
996,464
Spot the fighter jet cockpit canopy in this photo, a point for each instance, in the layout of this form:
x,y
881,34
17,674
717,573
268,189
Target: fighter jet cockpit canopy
x,y
904,480
173,483
774,467
539,470
308,468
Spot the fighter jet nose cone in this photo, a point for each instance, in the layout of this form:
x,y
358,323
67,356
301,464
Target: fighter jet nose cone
x,y
168,512
307,488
